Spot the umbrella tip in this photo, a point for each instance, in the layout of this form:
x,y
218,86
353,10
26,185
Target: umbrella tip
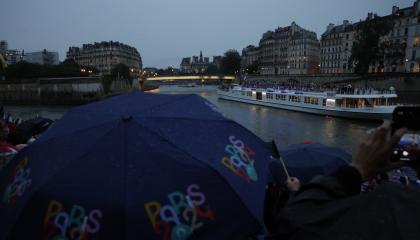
x,y
126,118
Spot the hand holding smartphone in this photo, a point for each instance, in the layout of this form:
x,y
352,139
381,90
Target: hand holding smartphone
x,y
406,117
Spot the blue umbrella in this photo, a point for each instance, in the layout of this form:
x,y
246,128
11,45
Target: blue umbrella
x,y
137,166
306,161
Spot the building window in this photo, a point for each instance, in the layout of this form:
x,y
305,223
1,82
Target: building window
x,y
405,31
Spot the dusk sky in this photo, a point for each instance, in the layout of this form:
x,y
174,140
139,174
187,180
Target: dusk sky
x,y
165,31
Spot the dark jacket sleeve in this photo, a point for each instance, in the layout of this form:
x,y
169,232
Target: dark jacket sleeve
x,y
302,218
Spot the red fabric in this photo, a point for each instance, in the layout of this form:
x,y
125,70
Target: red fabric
x,y
12,128
7,148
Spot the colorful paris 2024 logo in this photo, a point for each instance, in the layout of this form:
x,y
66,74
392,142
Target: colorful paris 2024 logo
x,y
18,182
78,224
184,214
240,159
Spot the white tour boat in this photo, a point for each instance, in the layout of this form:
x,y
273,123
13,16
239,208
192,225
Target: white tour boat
x,y
358,104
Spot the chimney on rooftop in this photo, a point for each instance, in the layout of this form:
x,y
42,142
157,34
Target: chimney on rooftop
x,y
370,16
395,10
346,22
330,26
417,7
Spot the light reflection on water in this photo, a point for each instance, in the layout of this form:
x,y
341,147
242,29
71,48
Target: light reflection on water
x,y
285,127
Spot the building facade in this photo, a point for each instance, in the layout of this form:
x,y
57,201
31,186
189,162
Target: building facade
x,y
289,50
105,55
250,56
3,46
42,57
198,64
336,45
10,56
402,44
400,47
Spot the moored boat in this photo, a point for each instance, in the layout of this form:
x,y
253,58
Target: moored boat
x,y
356,104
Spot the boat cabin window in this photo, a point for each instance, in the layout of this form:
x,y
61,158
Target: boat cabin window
x,y
294,98
249,94
259,95
311,100
330,102
280,97
269,96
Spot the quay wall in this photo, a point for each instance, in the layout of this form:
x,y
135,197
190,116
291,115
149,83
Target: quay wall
x,y
406,85
59,91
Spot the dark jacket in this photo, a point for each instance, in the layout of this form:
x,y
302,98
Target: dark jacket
x,y
330,207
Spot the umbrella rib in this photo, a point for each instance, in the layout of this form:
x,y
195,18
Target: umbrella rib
x,y
207,164
71,133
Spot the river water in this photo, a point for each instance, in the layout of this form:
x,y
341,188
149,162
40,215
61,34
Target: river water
x,y
285,127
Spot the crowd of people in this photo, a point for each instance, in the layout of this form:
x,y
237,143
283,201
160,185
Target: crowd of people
x,y
343,88
15,134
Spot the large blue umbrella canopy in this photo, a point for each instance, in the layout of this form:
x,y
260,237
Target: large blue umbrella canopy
x,y
137,166
306,161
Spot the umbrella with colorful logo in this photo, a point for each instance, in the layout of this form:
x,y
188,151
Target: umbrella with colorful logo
x,y
137,166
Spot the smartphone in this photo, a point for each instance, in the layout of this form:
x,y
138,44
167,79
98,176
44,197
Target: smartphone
x,y
406,117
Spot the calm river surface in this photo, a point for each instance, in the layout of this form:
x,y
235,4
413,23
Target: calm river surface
x,y
285,127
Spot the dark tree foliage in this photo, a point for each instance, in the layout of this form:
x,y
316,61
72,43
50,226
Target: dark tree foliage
x,y
213,69
252,68
68,68
121,70
367,49
169,71
231,62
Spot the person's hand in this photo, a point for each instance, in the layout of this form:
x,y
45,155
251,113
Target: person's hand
x,y
375,151
293,184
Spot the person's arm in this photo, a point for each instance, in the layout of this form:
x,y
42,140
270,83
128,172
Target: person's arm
x,y
373,157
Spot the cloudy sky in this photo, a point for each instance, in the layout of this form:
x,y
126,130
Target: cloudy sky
x,y
164,31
